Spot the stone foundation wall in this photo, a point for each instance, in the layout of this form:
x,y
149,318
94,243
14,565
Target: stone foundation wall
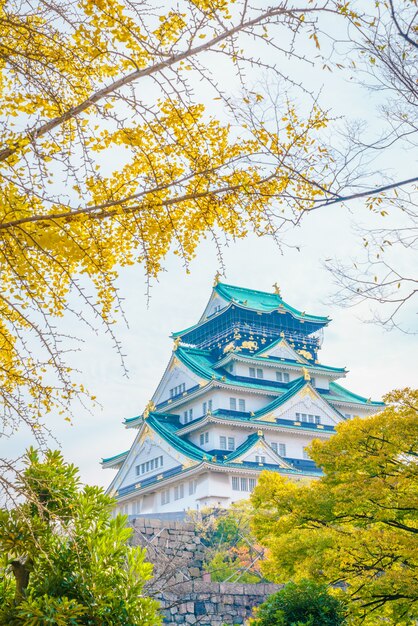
x,y
213,604
186,594
173,547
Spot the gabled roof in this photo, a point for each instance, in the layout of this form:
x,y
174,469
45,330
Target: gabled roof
x,y
287,349
257,301
293,389
274,361
202,363
262,301
116,460
251,442
338,393
246,446
166,428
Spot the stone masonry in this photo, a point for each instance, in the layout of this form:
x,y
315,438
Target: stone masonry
x,y
186,593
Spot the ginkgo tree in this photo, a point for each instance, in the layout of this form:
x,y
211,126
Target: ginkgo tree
x,y
109,157
356,527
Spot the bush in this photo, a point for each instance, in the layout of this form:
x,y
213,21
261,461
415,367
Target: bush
x,y
303,604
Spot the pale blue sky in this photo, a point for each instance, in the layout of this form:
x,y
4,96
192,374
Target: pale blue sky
x,y
378,361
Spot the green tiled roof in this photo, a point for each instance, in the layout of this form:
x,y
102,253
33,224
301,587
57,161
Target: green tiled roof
x,y
262,301
116,457
294,388
276,360
202,363
274,468
165,429
339,393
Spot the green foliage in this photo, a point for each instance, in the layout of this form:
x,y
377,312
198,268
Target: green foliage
x,y
232,554
65,560
303,604
224,567
358,523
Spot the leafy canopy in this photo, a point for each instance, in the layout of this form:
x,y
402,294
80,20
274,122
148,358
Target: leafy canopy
x,y
108,158
358,524
64,559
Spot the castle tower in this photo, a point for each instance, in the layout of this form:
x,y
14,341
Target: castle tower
x,y
243,392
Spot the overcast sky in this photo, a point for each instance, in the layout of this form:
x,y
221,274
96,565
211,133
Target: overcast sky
x,y
377,360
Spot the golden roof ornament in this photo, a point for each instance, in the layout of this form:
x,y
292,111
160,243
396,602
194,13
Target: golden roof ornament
x,y
276,289
176,343
306,374
216,280
260,433
150,407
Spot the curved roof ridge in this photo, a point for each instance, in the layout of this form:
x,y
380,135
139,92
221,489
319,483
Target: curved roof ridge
x,y
224,289
295,386
355,396
187,448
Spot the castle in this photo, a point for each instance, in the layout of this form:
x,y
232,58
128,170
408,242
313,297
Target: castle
x,y
243,392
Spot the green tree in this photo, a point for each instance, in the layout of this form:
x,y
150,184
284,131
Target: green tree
x,y
358,524
304,604
65,560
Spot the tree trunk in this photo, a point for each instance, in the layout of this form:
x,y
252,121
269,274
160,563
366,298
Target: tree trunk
x,y
21,572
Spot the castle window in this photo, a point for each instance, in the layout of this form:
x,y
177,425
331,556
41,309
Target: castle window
x,y
279,448
243,484
204,438
312,381
207,407
233,404
149,466
256,373
317,419
282,377
179,492
227,443
260,459
217,308
188,416
306,455
192,487
241,404
175,391
165,496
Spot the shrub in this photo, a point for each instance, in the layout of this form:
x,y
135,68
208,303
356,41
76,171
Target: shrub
x,y
304,604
